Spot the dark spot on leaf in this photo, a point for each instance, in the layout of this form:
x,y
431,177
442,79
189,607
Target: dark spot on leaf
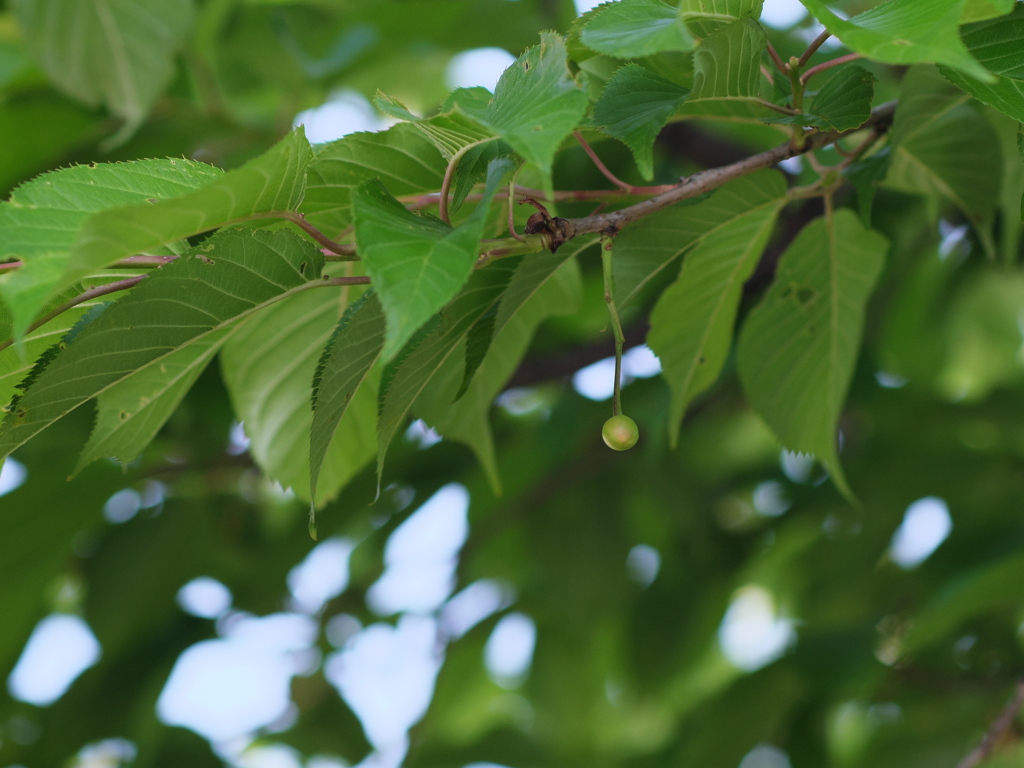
x,y
124,415
702,360
204,258
811,329
302,268
805,296
526,66
152,200
786,293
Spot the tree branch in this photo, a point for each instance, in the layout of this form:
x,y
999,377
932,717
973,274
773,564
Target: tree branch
x,y
828,65
92,293
813,48
705,181
997,731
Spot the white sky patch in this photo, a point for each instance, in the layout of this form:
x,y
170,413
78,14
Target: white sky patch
x,y
597,380
792,165
226,689
270,756
122,506
238,441
386,675
641,362
109,753
421,555
341,627
422,434
479,66
509,650
12,476
60,648
752,634
323,761
474,604
766,756
321,576
204,597
582,6
770,498
926,524
796,466
782,14
346,112
643,564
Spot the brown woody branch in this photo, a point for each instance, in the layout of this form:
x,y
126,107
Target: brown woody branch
x,y
997,731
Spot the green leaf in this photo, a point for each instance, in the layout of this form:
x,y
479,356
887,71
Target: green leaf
x,y
865,175
406,378
451,132
131,412
543,285
632,28
692,323
942,146
180,305
983,336
478,342
705,16
114,52
634,107
998,44
727,79
402,157
274,181
537,102
979,10
418,263
17,360
645,250
905,32
338,384
798,348
39,223
844,101
268,366
1006,94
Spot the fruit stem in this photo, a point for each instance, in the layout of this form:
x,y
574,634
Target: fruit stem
x,y
613,313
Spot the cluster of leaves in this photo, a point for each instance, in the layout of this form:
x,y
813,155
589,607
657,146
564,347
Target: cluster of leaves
x,y
446,322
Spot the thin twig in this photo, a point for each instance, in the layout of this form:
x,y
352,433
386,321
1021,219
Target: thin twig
x,y
600,165
813,48
132,262
299,219
789,111
449,176
511,212
999,728
344,280
92,293
706,181
779,65
828,65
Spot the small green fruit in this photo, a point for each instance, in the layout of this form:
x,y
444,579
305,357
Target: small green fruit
x,y
620,433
